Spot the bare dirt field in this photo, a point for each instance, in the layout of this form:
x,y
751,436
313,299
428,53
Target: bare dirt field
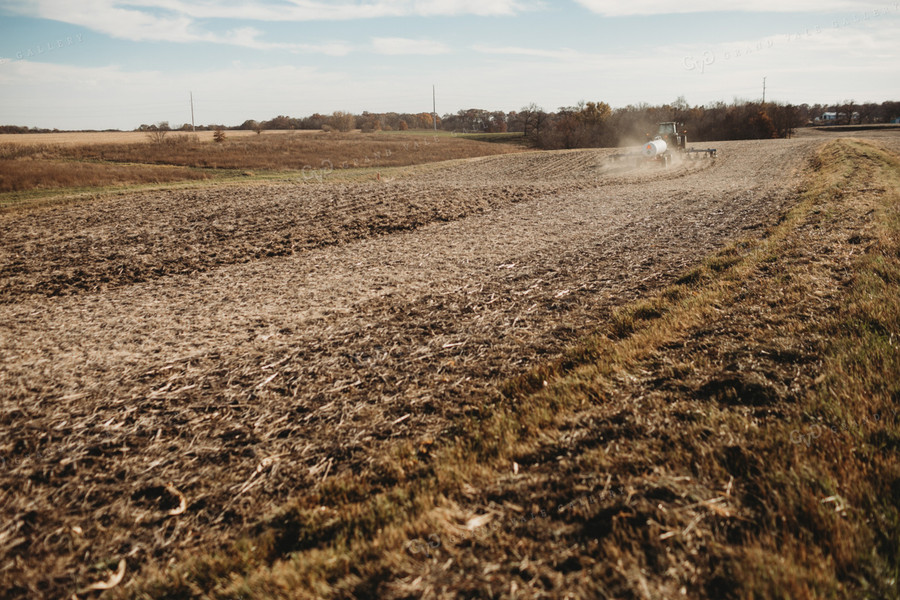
x,y
177,364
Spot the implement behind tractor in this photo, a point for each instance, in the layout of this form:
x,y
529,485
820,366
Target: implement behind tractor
x,y
668,140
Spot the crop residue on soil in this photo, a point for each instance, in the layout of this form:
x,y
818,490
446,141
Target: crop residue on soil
x,y
225,348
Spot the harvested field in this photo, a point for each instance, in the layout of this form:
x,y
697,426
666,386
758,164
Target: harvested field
x,y
80,138
137,238
295,151
310,156
176,365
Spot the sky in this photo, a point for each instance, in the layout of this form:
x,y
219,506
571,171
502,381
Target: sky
x,y
117,64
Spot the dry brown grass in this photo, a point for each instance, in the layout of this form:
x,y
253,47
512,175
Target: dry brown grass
x,y
81,138
322,152
314,156
47,174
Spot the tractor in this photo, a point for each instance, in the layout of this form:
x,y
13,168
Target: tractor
x,y
667,141
668,132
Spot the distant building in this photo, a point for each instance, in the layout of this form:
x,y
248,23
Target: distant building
x,y
837,117
896,121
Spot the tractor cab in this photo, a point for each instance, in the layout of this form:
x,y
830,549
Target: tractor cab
x,y
667,129
669,132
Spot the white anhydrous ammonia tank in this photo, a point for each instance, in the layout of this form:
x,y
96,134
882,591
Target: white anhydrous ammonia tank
x,y
654,148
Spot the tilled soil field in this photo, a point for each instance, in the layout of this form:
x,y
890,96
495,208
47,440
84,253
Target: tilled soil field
x,y
177,364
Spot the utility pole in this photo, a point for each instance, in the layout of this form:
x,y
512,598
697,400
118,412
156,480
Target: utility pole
x,y
764,90
192,112
433,107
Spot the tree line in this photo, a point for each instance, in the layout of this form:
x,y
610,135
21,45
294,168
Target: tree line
x,y
586,124
597,124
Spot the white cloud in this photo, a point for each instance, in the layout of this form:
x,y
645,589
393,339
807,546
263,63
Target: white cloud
x,y
857,59
105,16
124,20
139,16
828,48
561,54
614,8
294,10
398,46
311,10
573,61
249,37
179,21
53,95
471,7
825,64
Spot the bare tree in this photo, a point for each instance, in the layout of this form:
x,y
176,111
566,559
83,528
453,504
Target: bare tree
x,y
680,108
342,121
540,118
848,108
157,133
529,117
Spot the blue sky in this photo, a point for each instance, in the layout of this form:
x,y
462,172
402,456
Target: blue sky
x,y
97,64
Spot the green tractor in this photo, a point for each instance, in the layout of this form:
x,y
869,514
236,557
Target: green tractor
x,y
677,141
664,145
668,132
